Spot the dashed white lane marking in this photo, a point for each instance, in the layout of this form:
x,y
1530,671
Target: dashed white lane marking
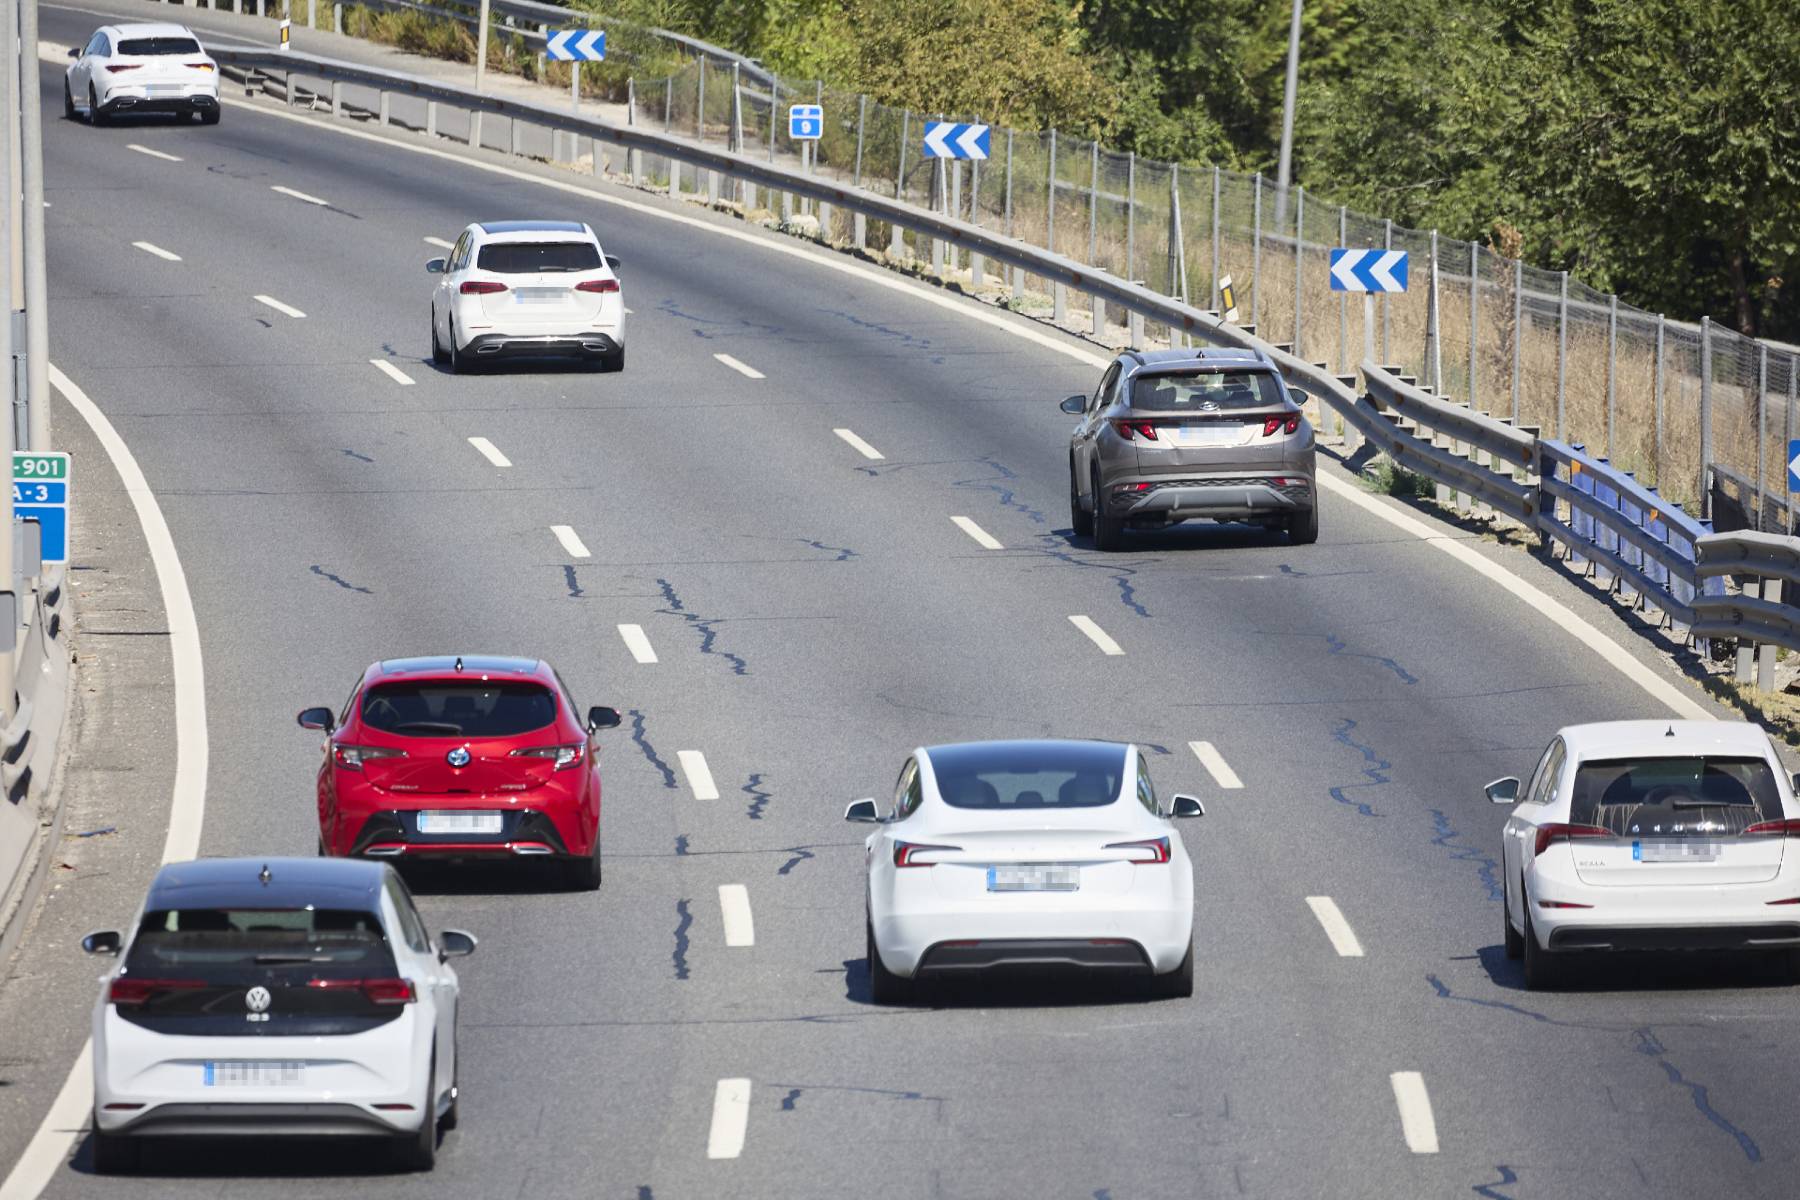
x,y
391,371
734,907
699,775
151,153
1416,1122
746,371
1215,765
490,452
730,1119
861,447
153,248
440,243
569,541
278,306
288,191
1096,635
637,643
982,537
1343,938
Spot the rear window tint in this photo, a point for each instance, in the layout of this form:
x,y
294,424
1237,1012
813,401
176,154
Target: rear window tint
x,y
1208,391
456,709
1013,779
1675,797
159,45
185,942
530,258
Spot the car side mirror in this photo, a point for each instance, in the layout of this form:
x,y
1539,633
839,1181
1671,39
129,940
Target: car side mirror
x,y
314,718
1182,805
435,266
1796,782
602,717
1504,791
1074,405
74,52
104,941
863,811
454,943
612,264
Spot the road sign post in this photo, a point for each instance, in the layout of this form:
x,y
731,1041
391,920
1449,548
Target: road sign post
x,y
41,487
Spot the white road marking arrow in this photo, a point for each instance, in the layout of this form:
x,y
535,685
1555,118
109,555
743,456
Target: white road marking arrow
x,y
1383,265
970,142
1344,270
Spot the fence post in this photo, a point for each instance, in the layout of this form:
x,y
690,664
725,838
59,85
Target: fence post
x,y
896,242
1518,324
1177,251
1706,428
1018,273
1299,258
1387,244
700,102
1131,216
1657,389
1612,369
1562,352
1343,298
312,14
633,158
1217,192
1256,252
977,262
1434,332
1762,414
940,199
337,18
1097,305
1793,398
1474,314
774,103
1059,295
812,160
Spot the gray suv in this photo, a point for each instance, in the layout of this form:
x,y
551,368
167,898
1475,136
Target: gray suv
x,y
1171,435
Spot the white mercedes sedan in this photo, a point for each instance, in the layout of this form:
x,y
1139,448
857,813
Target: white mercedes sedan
x,y
1028,854
1650,835
145,68
282,996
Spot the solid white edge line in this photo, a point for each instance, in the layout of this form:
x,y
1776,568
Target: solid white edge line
x,y
982,537
967,310
151,153
747,371
287,310
391,371
1343,938
699,775
1215,764
734,911
1417,1124
730,1119
490,452
569,541
288,191
440,243
1096,635
861,447
49,1147
638,643
153,248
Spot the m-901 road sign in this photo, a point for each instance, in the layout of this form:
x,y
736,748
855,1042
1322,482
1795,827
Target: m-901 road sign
x,y
41,486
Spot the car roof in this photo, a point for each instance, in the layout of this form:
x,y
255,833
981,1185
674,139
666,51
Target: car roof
x,y
1209,357
150,29
533,231
478,666
291,883
1664,739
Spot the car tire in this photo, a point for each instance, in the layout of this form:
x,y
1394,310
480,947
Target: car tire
x,y
615,361
95,116
885,987
1513,943
323,852
438,354
584,873
1542,972
418,1151
1080,520
1303,528
1109,531
459,362
114,1154
451,1116
1177,984
209,116
69,113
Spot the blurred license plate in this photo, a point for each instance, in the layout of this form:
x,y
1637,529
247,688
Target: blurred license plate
x,y
165,89
541,295
1674,851
255,1074
1211,435
459,822
1033,879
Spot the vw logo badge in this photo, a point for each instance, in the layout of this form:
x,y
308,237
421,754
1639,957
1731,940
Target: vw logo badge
x,y
458,757
257,999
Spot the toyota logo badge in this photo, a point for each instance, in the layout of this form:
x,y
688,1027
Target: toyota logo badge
x,y
458,757
257,999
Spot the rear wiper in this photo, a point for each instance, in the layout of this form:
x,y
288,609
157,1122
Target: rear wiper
x,y
276,960
440,726
1702,804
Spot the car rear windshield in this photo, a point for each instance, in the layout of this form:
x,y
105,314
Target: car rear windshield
x,y
1675,797
159,45
453,708
191,942
1205,391
534,258
1017,777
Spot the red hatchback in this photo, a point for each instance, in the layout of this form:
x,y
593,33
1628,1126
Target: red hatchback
x,y
462,757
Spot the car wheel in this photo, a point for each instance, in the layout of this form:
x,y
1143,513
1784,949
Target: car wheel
x,y
95,116
113,1153
1303,528
584,873
885,987
459,362
209,116
1515,945
69,113
1080,520
614,361
437,348
323,852
451,1116
1179,983
1542,971
1109,531
418,1151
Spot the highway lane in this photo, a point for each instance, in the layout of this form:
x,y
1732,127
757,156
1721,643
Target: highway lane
x,y
919,635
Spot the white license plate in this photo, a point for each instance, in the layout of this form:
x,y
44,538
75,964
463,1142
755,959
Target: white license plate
x,y
1046,878
1211,435
541,295
165,89
459,822
1683,851
254,1074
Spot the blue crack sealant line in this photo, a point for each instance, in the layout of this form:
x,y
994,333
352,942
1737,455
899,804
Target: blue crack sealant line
x,y
759,797
844,554
1121,576
681,937
1337,647
708,635
1000,483
1489,870
1507,1175
1647,1044
1375,771
800,853
643,743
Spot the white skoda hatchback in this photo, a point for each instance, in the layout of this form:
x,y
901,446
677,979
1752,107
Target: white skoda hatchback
x,y
1650,835
282,996
1030,854
527,289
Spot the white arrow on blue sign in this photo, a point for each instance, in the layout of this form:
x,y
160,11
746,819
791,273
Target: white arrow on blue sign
x,y
806,122
575,45
1368,270
1794,466
947,139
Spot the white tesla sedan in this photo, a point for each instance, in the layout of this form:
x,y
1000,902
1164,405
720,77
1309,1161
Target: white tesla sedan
x,y
1027,854
526,289
297,996
1650,835
143,68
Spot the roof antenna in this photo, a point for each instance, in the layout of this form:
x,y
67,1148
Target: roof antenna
x,y
264,875
459,662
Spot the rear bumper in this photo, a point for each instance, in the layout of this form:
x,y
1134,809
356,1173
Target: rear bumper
x,y
395,834
260,1120
591,344
200,102
953,959
1784,936
1104,937
1163,498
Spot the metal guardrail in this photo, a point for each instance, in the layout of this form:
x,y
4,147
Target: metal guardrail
x,y
1756,614
1514,449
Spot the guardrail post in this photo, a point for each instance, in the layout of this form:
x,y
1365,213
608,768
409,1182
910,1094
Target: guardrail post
x,y
337,18
1706,426
337,97
1745,647
515,130
430,118
1562,354
386,102
1255,249
312,14
1765,653
289,83
261,8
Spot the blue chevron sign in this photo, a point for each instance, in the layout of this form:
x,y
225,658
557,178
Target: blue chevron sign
x,y
575,45
1368,270
947,139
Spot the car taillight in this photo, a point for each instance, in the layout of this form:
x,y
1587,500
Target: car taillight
x,y
376,991
906,852
1130,429
124,67
352,758
565,756
597,285
1149,852
1561,904
1549,835
1287,424
130,992
1774,829
203,66
482,287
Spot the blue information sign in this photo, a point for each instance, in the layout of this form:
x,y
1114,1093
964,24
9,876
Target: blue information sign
x,y
41,489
